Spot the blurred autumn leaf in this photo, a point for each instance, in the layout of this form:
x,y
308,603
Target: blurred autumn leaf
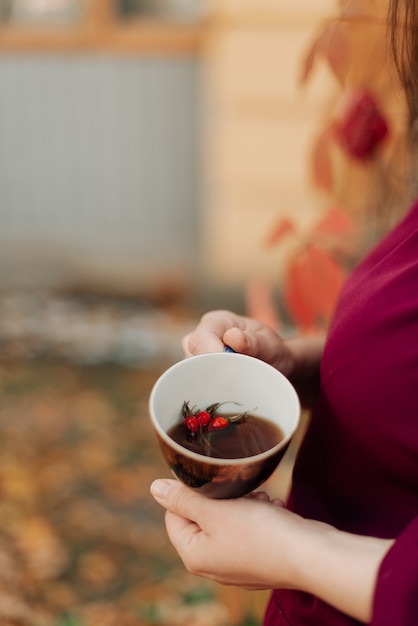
x,y
81,541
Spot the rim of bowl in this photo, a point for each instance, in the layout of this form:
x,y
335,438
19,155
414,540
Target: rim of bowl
x,y
214,460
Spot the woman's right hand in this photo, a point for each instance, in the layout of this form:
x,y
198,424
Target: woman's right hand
x,y
298,358
245,335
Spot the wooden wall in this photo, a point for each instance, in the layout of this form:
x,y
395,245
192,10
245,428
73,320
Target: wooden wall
x,y
259,127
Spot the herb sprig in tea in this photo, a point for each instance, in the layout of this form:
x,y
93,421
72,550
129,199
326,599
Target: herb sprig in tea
x,y
196,420
219,432
199,424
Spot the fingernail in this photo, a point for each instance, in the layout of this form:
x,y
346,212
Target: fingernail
x,y
160,488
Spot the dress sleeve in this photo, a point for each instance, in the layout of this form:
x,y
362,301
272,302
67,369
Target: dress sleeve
x,y
396,594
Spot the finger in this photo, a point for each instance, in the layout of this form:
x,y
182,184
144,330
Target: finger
x,y
261,342
264,497
238,340
188,539
185,345
181,531
278,502
208,335
178,499
205,341
201,342
259,495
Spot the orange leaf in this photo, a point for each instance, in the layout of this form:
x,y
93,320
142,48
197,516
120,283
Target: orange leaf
x,y
297,306
281,228
313,286
260,304
336,222
332,45
322,171
336,49
338,233
309,62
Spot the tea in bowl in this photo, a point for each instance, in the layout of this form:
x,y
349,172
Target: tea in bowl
x,y
223,421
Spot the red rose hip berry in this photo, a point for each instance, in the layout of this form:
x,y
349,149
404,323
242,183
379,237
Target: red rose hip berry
x,y
191,423
203,418
217,423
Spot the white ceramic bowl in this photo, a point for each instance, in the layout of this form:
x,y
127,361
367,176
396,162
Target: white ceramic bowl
x,y
221,377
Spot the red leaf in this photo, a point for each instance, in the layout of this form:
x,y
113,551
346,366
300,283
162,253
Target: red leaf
x,y
281,228
337,232
359,126
336,222
297,305
312,288
322,171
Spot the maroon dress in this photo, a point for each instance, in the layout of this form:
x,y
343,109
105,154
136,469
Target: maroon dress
x,y
357,467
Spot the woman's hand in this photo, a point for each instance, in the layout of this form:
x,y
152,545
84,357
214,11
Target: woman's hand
x,y
218,329
229,541
298,358
255,543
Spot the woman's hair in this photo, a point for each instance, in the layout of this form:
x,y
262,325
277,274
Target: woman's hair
x,y
403,24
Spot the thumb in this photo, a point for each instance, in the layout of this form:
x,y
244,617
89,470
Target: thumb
x,y
262,343
177,498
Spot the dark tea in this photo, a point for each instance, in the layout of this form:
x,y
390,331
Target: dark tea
x,y
248,436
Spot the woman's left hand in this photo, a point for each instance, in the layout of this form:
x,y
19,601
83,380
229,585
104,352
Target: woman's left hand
x,y
229,541
252,543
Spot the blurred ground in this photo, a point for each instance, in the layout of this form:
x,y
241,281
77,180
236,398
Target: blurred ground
x,y
89,329
81,541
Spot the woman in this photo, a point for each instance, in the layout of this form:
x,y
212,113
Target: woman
x,y
345,549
